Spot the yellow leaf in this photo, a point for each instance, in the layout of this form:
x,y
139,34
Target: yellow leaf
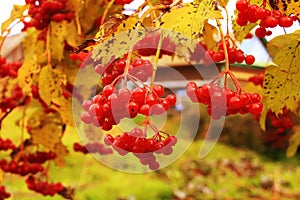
x,y
61,152
119,44
1,176
26,74
57,40
294,142
64,108
45,129
16,13
281,84
94,8
71,34
50,83
263,116
189,19
209,33
288,7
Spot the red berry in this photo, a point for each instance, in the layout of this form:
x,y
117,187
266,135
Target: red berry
x,y
255,108
285,21
271,22
249,59
260,32
242,5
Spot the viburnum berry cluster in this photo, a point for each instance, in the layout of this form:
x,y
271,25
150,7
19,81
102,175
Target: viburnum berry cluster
x,y
40,157
9,69
42,12
6,144
93,147
235,55
139,68
123,2
110,106
148,45
257,79
252,13
142,147
3,193
15,98
43,187
22,168
214,95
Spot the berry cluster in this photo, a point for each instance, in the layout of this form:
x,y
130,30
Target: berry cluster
x,y
268,19
3,193
236,101
279,128
110,106
234,54
40,157
43,187
81,56
92,148
139,68
123,2
10,102
9,69
143,148
42,12
6,144
197,55
257,79
148,45
21,168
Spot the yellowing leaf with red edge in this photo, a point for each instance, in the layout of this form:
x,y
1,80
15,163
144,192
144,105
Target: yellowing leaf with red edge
x,y
26,74
50,83
294,142
16,13
61,151
45,128
281,84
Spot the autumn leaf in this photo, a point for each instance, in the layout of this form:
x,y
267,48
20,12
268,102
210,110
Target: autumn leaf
x,y
64,108
189,19
45,129
1,176
61,32
281,84
50,83
288,7
119,44
61,151
209,33
26,74
294,142
16,13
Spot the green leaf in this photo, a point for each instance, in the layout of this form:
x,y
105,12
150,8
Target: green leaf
x,y
281,84
16,13
50,84
294,142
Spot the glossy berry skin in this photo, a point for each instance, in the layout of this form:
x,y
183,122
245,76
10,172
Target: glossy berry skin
x,y
235,102
285,21
242,5
249,59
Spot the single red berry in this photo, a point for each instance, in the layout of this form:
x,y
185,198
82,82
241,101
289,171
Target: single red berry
x,y
285,21
242,5
260,32
249,59
271,22
255,108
